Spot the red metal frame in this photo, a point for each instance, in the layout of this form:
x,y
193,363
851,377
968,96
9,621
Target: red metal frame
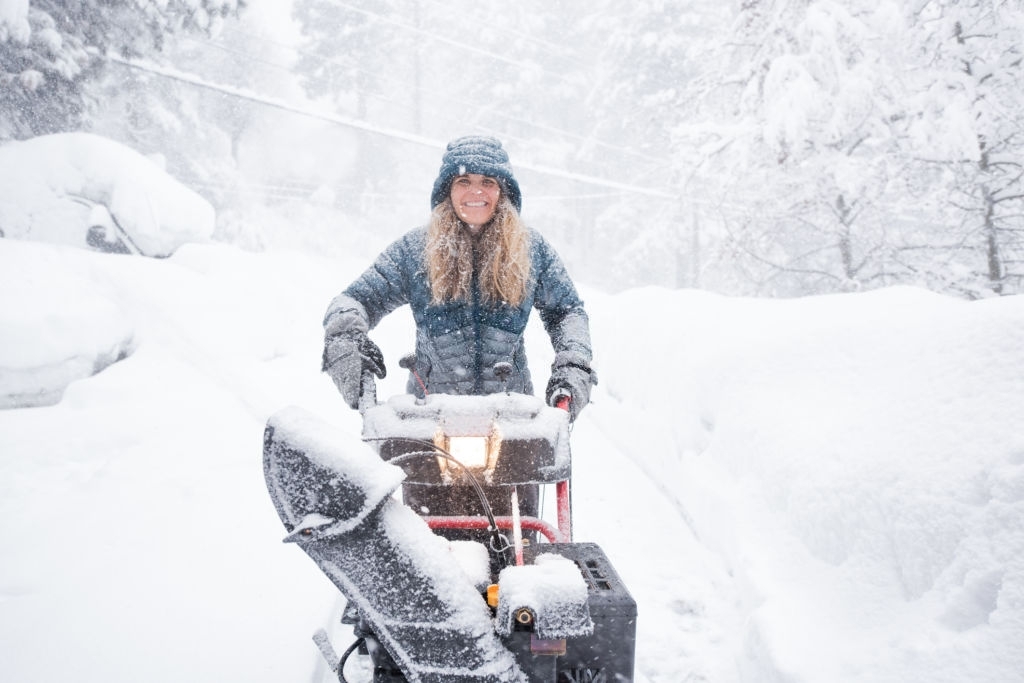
x,y
563,492
504,522
563,502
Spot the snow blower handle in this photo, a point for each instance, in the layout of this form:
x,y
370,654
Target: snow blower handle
x,y
563,492
367,391
562,399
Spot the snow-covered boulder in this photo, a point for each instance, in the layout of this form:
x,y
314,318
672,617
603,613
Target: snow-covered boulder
x,y
57,325
87,191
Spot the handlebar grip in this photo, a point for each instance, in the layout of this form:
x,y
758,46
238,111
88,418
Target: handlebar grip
x,y
367,391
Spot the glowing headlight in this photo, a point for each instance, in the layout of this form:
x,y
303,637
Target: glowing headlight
x,y
477,452
471,451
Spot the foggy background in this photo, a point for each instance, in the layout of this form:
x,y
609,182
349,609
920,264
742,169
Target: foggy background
x,y
754,148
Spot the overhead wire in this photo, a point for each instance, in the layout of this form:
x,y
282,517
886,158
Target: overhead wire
x,y
501,58
396,132
374,95
553,47
441,39
455,100
366,126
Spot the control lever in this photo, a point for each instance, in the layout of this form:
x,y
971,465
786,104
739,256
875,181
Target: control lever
x,y
503,371
408,362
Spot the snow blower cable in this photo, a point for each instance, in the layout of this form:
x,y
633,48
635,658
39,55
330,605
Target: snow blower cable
x,y
437,451
440,452
344,658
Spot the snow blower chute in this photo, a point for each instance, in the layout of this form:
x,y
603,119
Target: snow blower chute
x,y
450,597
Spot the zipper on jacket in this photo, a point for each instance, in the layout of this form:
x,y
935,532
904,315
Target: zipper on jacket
x,y
478,348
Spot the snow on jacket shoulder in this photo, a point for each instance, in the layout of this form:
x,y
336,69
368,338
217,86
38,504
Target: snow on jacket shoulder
x,y
458,343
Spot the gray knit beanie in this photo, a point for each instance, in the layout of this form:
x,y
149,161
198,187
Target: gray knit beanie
x,y
475,154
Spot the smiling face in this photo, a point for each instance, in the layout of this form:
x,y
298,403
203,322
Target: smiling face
x,y
475,198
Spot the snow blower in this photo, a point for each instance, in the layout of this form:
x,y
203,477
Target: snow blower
x,y
434,596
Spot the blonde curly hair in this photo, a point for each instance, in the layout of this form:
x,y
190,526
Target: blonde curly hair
x,y
500,255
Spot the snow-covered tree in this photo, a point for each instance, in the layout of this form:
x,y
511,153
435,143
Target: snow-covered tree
x,y
46,72
822,113
656,71
880,144
967,128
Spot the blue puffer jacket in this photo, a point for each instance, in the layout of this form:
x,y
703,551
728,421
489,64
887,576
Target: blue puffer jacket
x,y
458,343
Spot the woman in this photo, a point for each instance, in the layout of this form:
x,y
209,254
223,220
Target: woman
x,y
471,277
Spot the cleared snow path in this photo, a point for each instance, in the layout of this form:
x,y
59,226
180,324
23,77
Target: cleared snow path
x,y
684,595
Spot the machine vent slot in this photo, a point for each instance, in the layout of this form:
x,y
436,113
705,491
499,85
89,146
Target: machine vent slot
x,y
593,575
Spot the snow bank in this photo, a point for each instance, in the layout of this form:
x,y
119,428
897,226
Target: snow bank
x,y
58,325
133,513
856,462
58,186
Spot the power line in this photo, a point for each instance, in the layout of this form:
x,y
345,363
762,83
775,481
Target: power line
x,y
288,69
555,48
366,126
500,114
441,39
501,58
241,53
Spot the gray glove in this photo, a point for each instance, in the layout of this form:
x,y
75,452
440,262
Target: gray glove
x,y
574,380
346,356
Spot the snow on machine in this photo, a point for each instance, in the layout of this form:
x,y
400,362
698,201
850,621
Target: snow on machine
x,y
456,598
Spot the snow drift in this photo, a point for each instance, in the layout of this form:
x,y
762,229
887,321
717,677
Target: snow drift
x,y
58,325
854,461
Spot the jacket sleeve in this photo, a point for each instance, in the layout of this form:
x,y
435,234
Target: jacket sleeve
x,y
561,310
382,288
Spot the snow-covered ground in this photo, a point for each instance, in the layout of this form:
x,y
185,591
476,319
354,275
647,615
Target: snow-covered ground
x,y
823,489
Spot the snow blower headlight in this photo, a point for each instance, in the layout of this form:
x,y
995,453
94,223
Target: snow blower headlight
x,y
471,451
478,454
